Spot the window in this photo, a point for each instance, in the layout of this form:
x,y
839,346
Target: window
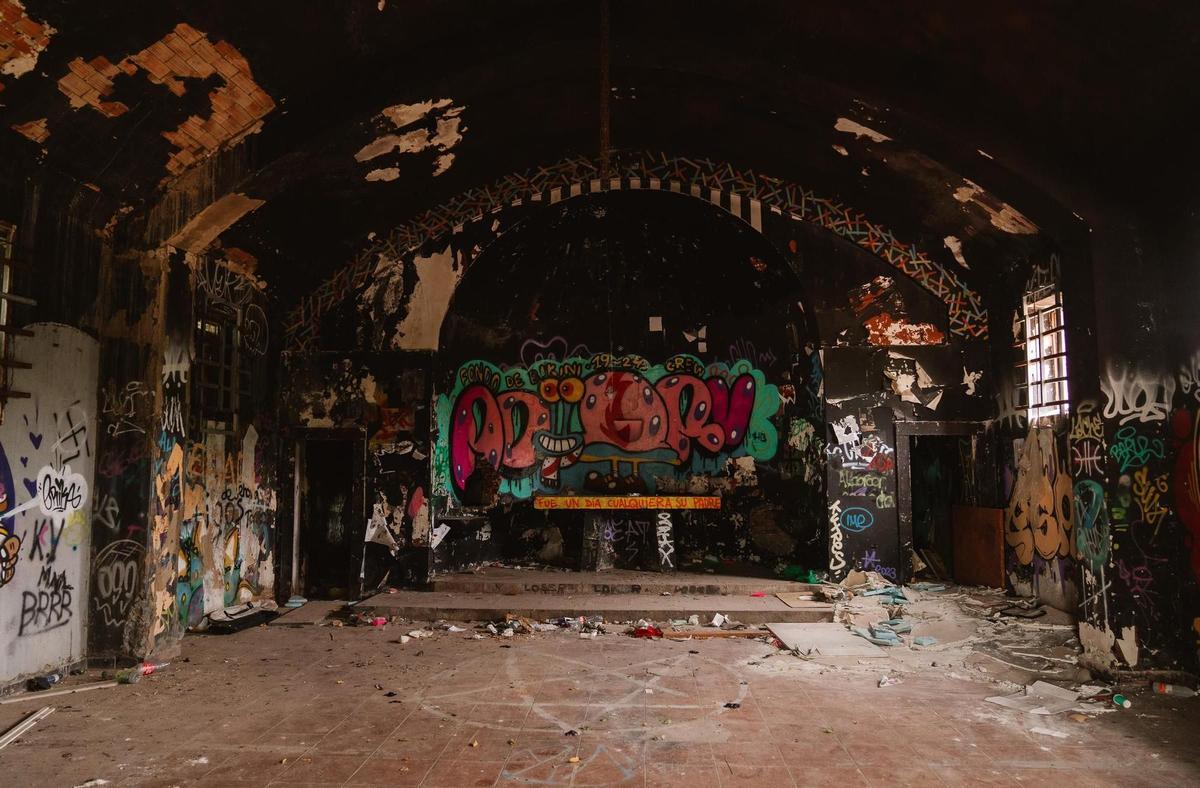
x,y
9,302
6,239
1045,355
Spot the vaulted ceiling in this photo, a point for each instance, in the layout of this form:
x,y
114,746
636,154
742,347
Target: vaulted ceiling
x,y
335,122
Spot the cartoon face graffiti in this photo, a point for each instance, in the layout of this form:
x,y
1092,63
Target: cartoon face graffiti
x,y
605,423
10,551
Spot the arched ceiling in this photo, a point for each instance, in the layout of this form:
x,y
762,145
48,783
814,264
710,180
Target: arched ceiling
x,y
336,121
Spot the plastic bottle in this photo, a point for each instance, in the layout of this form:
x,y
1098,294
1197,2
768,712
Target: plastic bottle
x,y
1163,688
134,675
45,682
1122,701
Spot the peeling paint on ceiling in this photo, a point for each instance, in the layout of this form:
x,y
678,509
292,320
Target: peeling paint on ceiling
x,y
446,132
1002,215
858,130
22,40
199,233
238,106
952,243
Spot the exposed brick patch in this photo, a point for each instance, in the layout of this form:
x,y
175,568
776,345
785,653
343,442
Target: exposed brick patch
x,y
21,40
35,130
185,53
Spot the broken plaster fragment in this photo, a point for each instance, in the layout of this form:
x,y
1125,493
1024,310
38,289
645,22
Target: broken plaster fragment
x,y
858,130
384,174
1001,215
35,130
952,243
447,133
22,39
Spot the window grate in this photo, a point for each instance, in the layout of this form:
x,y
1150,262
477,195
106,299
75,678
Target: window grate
x,y
8,326
1042,365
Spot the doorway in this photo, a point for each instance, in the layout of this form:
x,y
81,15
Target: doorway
x,y
332,522
936,481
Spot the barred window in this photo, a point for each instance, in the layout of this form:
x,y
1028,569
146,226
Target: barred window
x,y
1045,355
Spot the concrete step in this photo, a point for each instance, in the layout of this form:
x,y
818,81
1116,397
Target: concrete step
x,y
499,580
464,606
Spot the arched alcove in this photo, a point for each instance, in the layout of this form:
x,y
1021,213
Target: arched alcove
x,y
634,343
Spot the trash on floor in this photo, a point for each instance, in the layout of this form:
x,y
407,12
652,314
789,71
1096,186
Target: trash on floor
x,y
889,681
822,640
1048,732
1163,688
796,598
238,617
1039,697
16,731
801,575
57,692
647,631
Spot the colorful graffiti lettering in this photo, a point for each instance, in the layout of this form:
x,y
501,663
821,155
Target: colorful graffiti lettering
x,y
837,555
855,519
1040,515
1131,449
1135,394
1185,486
870,563
1149,492
603,424
1091,525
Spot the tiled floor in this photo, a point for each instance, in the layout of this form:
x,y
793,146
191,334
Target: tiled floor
x,y
315,706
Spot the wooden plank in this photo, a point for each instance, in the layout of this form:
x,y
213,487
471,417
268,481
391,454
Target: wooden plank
x,y
622,502
978,545
701,634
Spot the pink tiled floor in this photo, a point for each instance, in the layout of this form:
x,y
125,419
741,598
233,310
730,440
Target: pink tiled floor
x,y
265,707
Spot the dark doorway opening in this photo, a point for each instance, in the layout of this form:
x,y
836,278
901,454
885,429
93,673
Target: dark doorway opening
x,y
332,518
939,498
936,482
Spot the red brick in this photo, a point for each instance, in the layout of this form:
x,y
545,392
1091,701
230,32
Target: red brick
x,y
29,27
149,61
200,65
161,51
188,33
72,83
178,44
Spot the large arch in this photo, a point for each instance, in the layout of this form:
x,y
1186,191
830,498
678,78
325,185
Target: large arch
x,y
745,194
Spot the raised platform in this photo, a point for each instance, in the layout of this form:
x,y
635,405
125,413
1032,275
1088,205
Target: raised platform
x,y
490,594
501,580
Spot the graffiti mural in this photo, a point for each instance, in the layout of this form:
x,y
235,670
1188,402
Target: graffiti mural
x,y
46,476
1087,446
1040,517
602,423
